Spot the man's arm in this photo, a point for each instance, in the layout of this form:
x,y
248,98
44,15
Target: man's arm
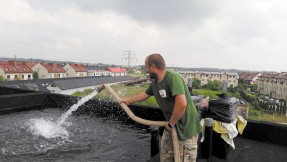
x,y
138,98
179,109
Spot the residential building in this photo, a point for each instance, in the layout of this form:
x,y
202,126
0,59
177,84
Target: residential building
x,y
119,71
13,70
99,73
249,78
205,77
96,71
49,70
75,70
273,85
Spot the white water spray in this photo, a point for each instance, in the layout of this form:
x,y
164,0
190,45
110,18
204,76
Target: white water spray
x,y
50,129
47,129
62,119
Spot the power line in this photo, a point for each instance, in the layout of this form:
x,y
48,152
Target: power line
x,y
129,56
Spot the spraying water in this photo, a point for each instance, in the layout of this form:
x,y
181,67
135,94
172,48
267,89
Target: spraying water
x,y
55,129
75,107
47,129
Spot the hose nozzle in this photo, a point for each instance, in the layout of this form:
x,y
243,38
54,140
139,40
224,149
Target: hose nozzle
x,y
100,88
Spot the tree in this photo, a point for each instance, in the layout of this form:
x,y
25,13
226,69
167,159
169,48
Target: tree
x,y
231,89
35,75
215,85
196,83
1,78
241,81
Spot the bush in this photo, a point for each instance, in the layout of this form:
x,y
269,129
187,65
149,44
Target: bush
x,y
196,83
254,113
35,75
1,78
215,85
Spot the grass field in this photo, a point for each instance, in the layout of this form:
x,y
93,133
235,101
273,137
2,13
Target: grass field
x,y
123,92
207,92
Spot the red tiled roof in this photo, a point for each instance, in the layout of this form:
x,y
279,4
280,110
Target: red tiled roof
x,y
78,67
31,64
247,76
117,70
15,67
53,68
269,75
274,75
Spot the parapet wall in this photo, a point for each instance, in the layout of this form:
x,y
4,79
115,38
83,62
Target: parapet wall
x,y
12,100
266,132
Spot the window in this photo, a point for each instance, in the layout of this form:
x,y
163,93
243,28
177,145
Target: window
x,y
53,85
56,75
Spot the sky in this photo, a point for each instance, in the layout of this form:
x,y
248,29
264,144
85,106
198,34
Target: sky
x,y
226,34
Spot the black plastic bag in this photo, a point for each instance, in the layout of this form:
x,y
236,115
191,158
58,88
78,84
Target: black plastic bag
x,y
223,109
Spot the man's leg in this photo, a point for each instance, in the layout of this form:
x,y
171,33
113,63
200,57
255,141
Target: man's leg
x,y
188,149
166,147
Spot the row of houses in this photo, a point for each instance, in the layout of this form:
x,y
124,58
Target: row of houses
x,y
273,85
205,77
13,70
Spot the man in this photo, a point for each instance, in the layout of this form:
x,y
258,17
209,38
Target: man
x,y
172,96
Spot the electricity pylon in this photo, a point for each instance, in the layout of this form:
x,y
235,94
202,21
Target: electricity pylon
x,y
129,56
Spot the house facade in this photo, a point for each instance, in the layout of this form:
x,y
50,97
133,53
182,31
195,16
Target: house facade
x,y
49,70
115,72
75,70
13,70
273,85
205,77
249,78
98,72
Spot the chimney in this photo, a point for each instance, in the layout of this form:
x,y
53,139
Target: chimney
x,y
224,88
12,62
52,64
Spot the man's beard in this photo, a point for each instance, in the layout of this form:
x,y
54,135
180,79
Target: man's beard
x,y
152,75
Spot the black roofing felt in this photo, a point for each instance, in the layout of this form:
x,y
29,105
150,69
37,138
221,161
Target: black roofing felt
x,y
247,151
65,83
85,82
38,87
39,81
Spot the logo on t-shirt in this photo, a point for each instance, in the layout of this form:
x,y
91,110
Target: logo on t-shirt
x,y
162,93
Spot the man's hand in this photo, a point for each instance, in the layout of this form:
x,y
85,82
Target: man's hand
x,y
125,101
168,128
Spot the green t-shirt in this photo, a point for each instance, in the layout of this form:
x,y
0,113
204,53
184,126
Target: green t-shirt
x,y
165,92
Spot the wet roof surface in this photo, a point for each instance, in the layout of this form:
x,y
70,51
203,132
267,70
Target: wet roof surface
x,y
250,151
253,151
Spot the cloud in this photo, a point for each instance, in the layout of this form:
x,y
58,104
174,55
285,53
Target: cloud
x,y
247,34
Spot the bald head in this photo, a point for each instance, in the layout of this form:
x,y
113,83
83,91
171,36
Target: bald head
x,y
155,59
